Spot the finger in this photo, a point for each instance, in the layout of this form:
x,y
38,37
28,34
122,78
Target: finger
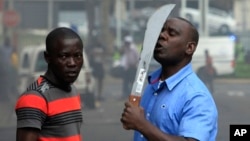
x,y
125,110
123,115
125,127
124,124
128,104
121,119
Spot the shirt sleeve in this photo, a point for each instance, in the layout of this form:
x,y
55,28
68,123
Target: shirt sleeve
x,y
31,109
199,119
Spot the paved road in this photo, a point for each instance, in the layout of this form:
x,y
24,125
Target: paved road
x,y
102,124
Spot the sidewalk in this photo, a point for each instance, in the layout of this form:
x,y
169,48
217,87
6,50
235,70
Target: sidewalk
x,y
108,112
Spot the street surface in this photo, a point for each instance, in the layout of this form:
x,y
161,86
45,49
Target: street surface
x,y
103,123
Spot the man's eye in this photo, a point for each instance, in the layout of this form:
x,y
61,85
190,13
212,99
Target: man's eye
x,y
78,56
63,56
172,32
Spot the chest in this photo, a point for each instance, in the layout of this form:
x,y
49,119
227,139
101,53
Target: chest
x,y
63,107
164,109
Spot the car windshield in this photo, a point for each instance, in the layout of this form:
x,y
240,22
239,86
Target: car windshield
x,y
26,61
218,12
40,65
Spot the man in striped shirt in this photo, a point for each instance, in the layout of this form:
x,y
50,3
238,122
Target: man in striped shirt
x,y
50,109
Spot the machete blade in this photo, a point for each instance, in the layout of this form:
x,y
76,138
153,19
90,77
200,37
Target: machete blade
x,y
153,30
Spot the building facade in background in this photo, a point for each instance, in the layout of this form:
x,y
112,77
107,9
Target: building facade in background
x,y
241,13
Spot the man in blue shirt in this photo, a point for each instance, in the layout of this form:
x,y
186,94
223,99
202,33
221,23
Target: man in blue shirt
x,y
176,105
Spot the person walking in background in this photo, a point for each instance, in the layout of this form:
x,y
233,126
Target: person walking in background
x,y
14,71
129,61
209,81
207,73
176,105
50,109
97,64
239,52
7,72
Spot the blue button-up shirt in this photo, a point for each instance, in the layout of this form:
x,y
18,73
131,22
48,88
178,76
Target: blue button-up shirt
x,y
180,106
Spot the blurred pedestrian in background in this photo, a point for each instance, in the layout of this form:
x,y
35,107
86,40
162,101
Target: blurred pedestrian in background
x,y
50,109
129,62
97,64
207,73
7,71
239,51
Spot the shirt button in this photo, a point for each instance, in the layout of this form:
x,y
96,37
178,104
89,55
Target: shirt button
x,y
148,114
141,136
155,93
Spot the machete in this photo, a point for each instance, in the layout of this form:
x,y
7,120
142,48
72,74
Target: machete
x,y
153,30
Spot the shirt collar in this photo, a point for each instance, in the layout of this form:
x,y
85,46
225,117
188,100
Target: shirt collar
x,y
52,79
172,81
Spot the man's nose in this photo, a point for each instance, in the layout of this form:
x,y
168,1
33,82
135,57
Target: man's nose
x,y
71,61
163,36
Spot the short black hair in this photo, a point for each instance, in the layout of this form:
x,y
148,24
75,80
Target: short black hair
x,y
60,33
194,34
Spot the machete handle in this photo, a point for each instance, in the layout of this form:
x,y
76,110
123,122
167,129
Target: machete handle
x,y
135,100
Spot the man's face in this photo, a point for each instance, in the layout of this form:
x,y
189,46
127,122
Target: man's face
x,y
171,46
66,59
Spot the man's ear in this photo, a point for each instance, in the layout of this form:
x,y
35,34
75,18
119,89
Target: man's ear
x,y
191,47
46,56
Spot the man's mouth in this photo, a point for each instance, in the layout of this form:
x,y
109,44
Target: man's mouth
x,y
158,47
72,73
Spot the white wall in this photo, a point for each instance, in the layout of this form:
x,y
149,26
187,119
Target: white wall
x,y
241,13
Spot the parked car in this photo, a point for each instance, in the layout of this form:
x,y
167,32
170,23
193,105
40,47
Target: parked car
x,y
25,58
32,65
219,21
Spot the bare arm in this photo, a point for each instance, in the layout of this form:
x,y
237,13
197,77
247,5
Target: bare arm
x,y
27,134
133,118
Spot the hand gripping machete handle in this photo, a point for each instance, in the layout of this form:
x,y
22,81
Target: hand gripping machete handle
x,y
153,30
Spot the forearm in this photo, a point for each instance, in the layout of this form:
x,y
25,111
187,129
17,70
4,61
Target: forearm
x,y
27,134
